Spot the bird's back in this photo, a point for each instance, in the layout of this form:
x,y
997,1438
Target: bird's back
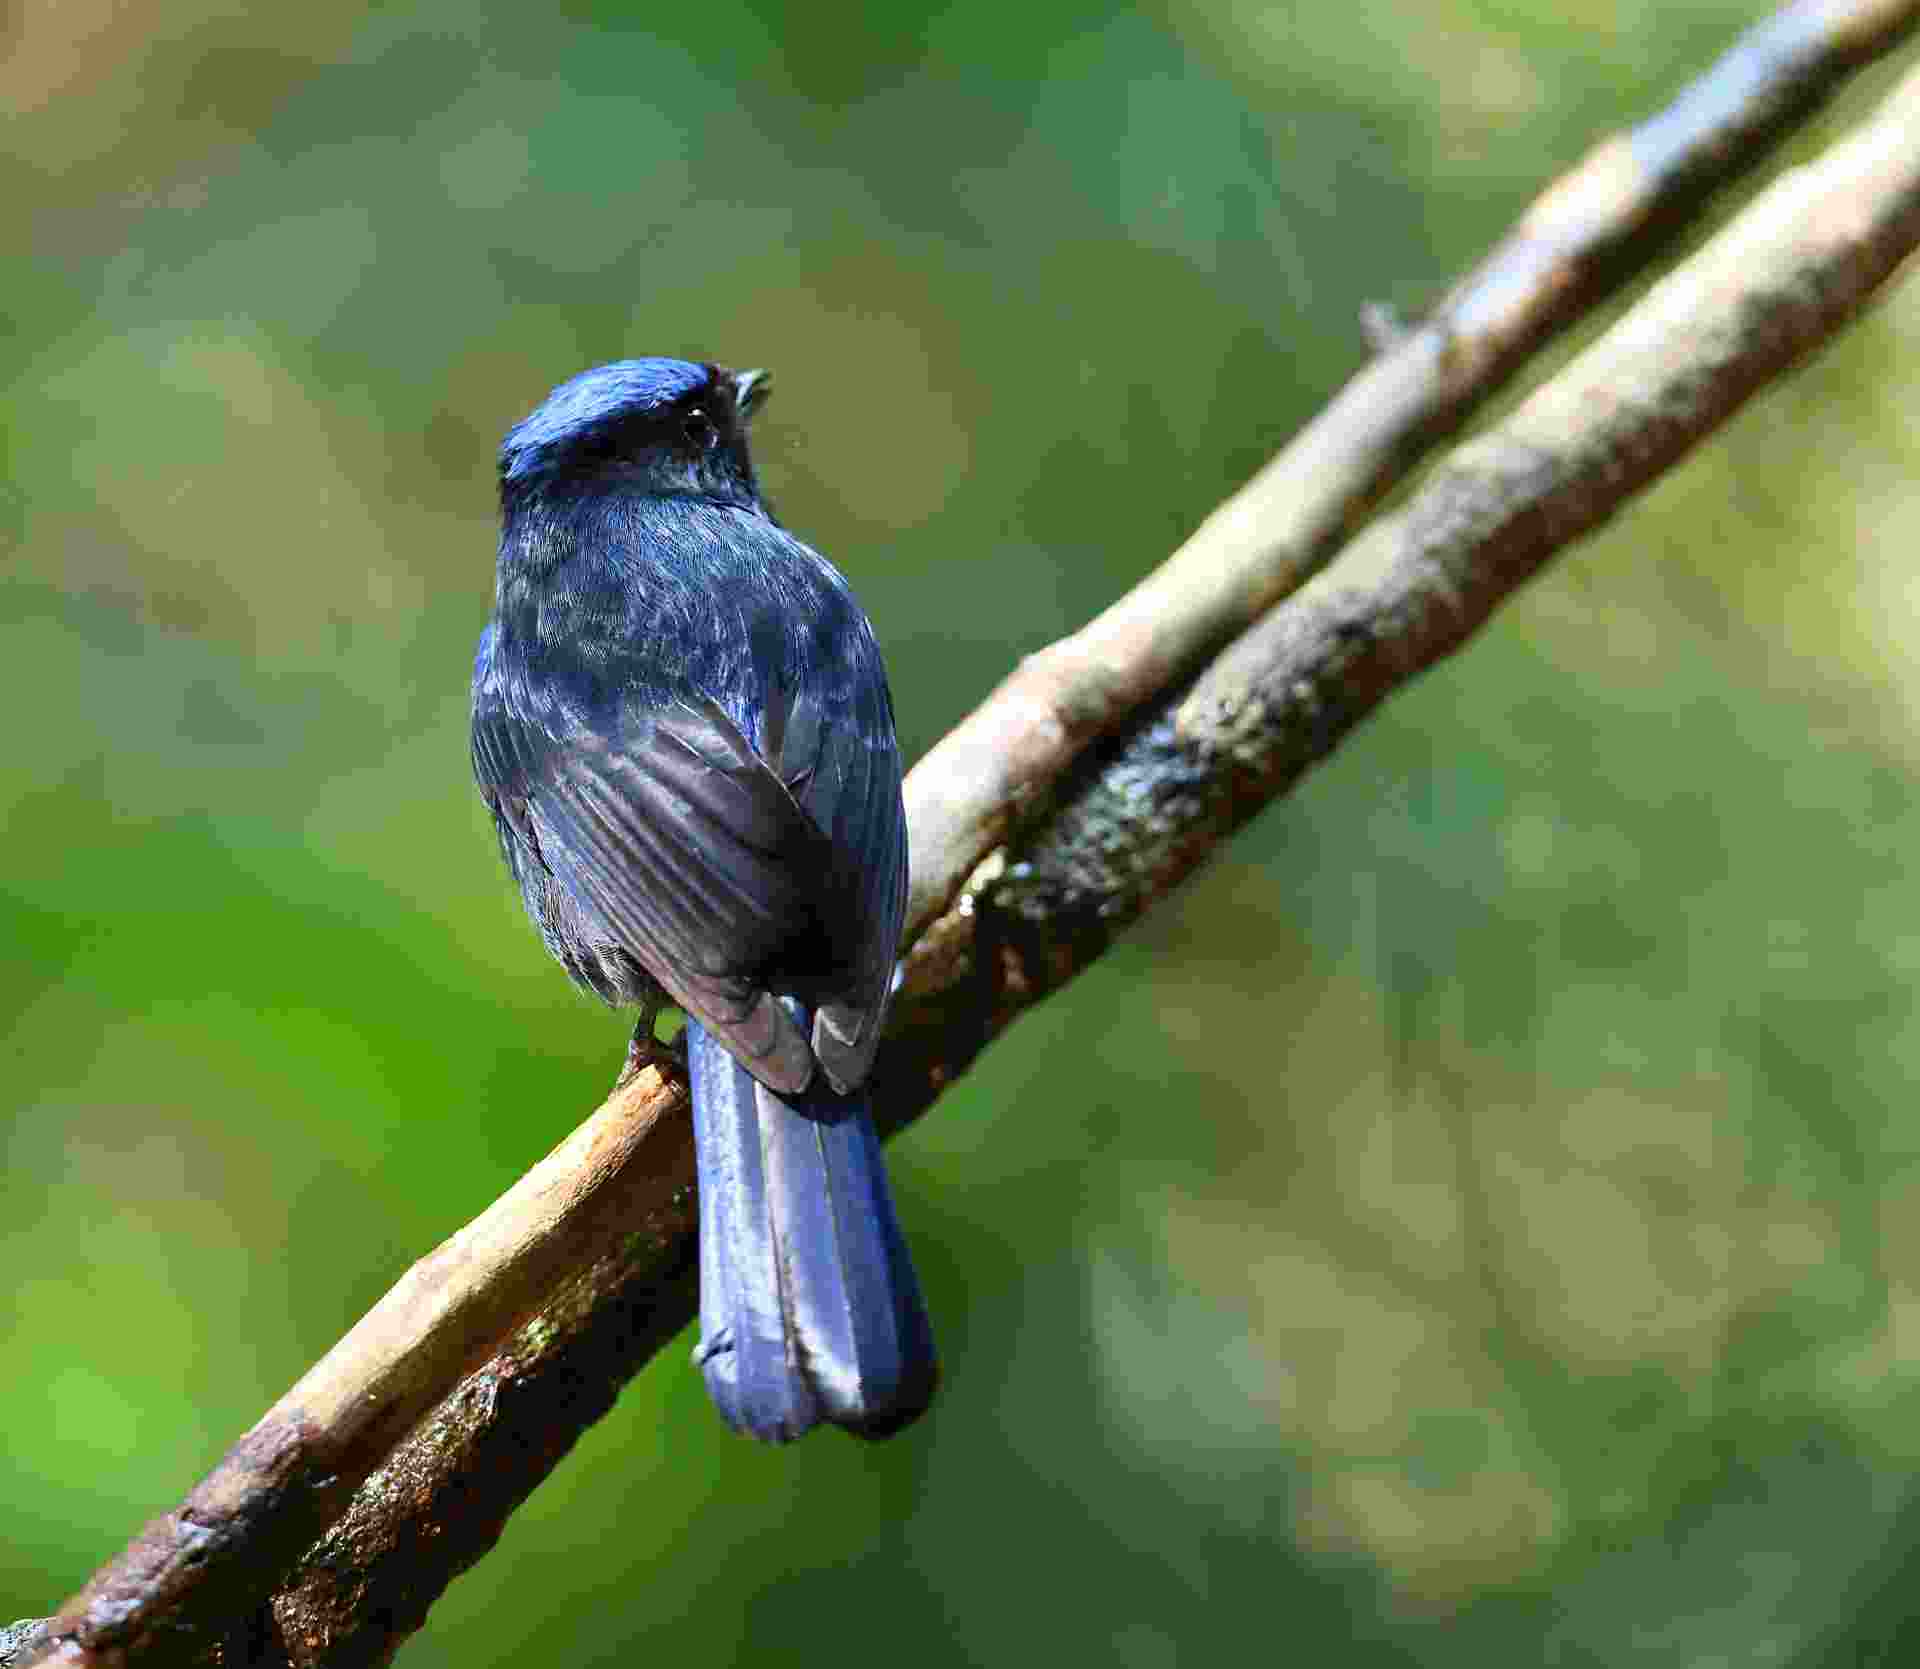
x,y
681,725
647,626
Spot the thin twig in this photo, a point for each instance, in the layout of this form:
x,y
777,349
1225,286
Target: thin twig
x,y
1402,597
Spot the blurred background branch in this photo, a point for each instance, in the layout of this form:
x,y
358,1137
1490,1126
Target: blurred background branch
x,y
615,1197
1521,1209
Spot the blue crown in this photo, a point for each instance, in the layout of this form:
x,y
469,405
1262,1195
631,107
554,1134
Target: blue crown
x,y
588,402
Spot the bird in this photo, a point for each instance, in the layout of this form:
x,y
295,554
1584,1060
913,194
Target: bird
x,y
683,731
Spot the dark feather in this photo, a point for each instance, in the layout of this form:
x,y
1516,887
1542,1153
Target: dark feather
x,y
841,1333
682,728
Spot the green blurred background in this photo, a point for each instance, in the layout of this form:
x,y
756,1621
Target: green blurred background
x,y
1478,1217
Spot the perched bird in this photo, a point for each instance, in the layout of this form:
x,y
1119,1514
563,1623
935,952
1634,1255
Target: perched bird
x,y
682,727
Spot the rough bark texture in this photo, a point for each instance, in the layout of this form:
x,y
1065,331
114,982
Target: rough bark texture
x,y
617,1192
993,774
1141,810
17,1638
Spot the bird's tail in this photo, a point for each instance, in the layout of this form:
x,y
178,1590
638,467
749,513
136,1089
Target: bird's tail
x,y
809,1309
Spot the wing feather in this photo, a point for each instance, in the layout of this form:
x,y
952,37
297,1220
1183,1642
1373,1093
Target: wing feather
x,y
735,853
684,849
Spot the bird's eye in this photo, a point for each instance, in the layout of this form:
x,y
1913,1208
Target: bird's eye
x,y
700,430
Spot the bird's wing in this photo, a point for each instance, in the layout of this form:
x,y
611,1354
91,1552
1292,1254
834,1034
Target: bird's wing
x,y
674,836
845,772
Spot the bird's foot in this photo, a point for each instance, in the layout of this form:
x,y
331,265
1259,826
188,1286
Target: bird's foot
x,y
645,1050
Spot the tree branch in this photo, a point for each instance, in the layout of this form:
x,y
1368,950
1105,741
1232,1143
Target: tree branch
x,y
1574,246
16,1639
615,1200
1412,588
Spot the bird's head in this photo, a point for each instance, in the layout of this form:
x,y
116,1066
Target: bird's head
x,y
662,426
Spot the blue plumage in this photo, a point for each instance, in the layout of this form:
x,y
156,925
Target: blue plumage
x,y
682,728
554,432
804,1173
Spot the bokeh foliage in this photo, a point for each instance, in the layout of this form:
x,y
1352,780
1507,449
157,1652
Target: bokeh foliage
x,y
1478,1217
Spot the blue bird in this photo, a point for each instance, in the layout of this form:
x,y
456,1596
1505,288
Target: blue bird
x,y
682,728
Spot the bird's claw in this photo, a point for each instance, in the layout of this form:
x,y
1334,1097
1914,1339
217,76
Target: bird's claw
x,y
645,1050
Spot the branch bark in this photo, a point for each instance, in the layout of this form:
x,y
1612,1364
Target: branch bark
x,y
1578,241
493,1374
17,1639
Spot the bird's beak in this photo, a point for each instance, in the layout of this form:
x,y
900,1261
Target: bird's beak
x,y
749,390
